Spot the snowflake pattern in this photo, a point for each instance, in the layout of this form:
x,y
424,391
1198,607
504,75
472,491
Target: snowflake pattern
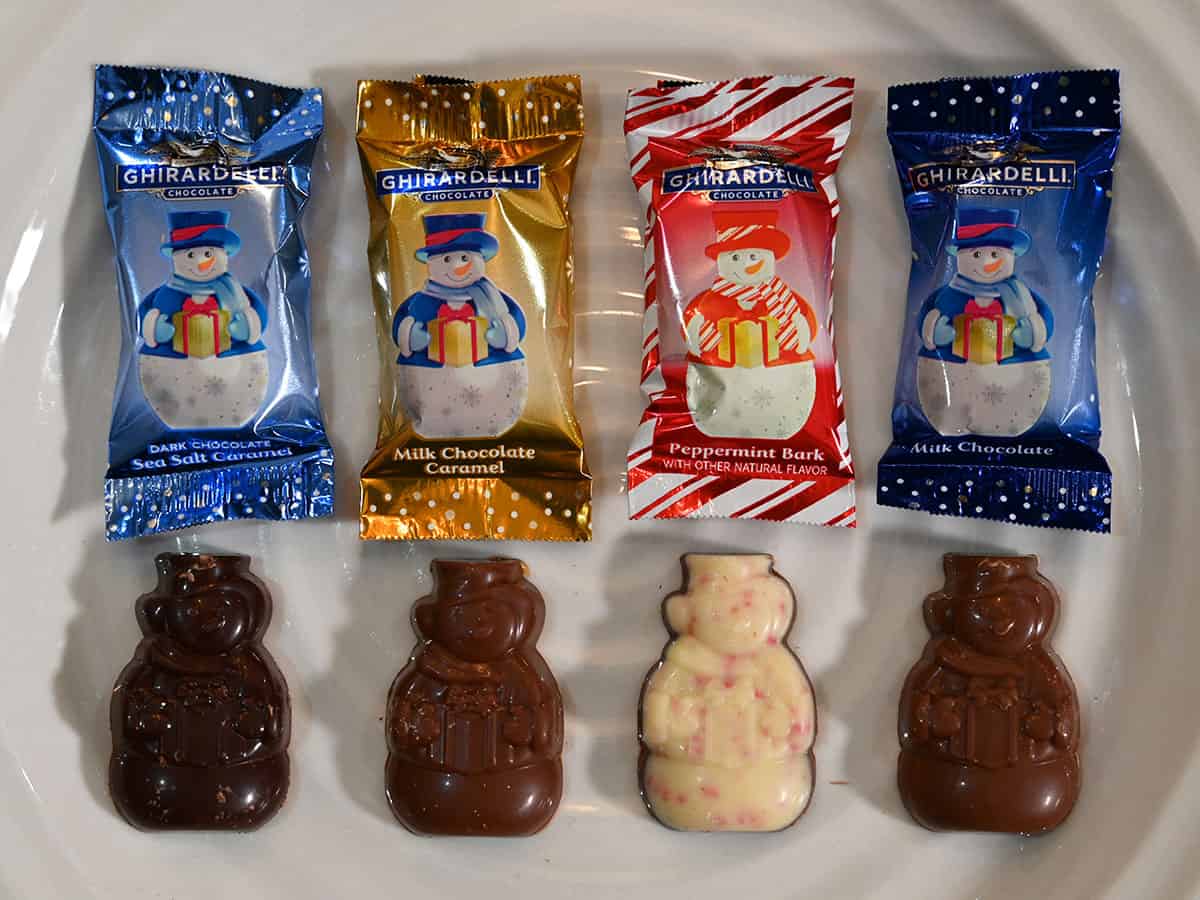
x,y
762,398
993,395
471,397
214,387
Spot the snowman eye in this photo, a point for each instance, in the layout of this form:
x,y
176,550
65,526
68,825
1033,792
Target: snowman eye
x,y
208,254
753,257
977,255
995,254
736,257
463,258
191,254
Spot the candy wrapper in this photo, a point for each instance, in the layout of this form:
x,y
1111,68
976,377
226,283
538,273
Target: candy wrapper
x,y
215,414
1007,184
745,417
470,256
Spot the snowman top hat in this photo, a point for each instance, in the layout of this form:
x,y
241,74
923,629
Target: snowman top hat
x,y
748,228
457,231
984,227
202,228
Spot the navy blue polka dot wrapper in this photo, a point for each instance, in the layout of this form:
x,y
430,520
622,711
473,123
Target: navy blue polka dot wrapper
x,y
1007,183
216,413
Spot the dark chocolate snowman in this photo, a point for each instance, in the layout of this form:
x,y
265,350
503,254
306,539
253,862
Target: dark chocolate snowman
x,y
475,720
989,717
200,716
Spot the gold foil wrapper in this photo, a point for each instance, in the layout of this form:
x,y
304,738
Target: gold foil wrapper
x,y
470,254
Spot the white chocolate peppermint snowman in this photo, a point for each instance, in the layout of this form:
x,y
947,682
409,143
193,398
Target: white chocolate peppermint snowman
x,y
727,716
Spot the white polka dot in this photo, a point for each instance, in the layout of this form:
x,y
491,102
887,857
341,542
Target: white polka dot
x,y
387,101
1045,517
112,527
466,526
916,102
566,514
514,496
1012,517
491,510
404,510
416,495
513,514
431,526
979,509
446,104
154,507
367,103
456,495
1000,89
250,93
548,511
899,481
433,91
424,104
499,529
1026,505
482,125
291,121
533,524
501,92
941,506
1062,99
487,494
124,508
1062,490
450,515
545,119
181,516
954,101
1107,500
943,489
1017,98
387,497
978,98
1082,508
1079,113
275,112
970,484
529,104
933,114
1091,99
1003,498
466,95
1035,85
405,117
1095,133
129,95
570,85
1062,506
883,488
432,504
557,105
915,494
1105,520
109,95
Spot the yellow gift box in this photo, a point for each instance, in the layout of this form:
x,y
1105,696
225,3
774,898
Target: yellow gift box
x,y
983,338
201,332
458,342
749,343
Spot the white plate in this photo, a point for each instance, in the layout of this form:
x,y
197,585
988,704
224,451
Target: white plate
x,y
1132,619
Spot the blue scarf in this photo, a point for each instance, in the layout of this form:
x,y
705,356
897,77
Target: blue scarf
x,y
229,293
1016,299
487,298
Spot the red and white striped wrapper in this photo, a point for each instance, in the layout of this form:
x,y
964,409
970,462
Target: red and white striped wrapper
x,y
783,467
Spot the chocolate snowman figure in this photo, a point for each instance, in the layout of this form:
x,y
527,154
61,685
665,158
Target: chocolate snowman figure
x,y
475,720
989,717
200,716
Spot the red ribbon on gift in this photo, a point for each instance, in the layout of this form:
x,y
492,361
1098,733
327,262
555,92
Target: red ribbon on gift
x,y
208,308
464,313
993,312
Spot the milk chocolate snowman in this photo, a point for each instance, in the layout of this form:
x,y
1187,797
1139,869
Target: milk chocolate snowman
x,y
200,716
989,718
475,720
727,715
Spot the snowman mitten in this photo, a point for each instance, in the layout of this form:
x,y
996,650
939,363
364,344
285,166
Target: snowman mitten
x,y
418,337
497,336
943,332
163,330
1022,334
239,328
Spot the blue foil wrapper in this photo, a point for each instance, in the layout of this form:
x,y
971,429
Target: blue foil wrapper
x,y
1007,184
216,413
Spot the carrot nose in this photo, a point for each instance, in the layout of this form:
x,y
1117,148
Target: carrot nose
x,y
462,270
993,266
754,268
206,264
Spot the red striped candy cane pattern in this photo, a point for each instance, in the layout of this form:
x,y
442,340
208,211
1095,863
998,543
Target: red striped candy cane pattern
x,y
671,125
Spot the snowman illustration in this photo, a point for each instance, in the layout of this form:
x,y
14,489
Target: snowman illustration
x,y
983,367
750,370
202,362
461,369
